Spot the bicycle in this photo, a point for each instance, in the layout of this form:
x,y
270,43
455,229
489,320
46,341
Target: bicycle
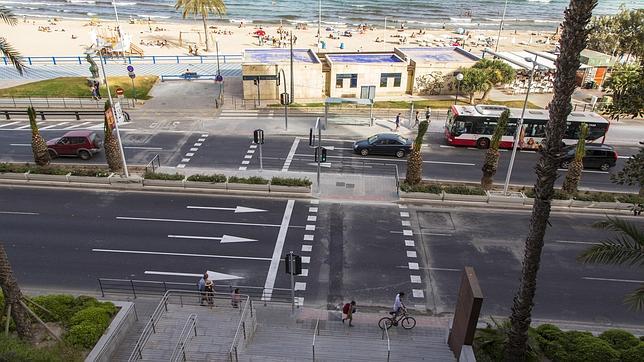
x,y
406,321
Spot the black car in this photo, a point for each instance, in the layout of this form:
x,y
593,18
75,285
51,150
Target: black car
x,y
598,156
389,144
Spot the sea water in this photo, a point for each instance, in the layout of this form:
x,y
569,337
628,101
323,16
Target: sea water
x,y
484,14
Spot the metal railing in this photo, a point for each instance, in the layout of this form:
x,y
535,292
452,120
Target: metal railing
x,y
241,327
180,348
316,332
194,76
148,287
60,102
150,328
148,59
153,164
58,113
385,332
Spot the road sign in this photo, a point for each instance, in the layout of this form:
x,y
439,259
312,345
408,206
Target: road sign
x,y
130,68
119,91
219,78
258,136
131,75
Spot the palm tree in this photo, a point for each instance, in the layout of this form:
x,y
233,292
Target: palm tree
x,y
203,8
498,72
572,42
13,297
5,47
111,145
627,248
415,160
492,154
577,165
38,144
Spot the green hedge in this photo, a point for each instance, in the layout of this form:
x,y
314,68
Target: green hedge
x,y
463,190
289,181
52,170
436,188
254,180
14,168
216,178
90,173
630,199
422,187
163,176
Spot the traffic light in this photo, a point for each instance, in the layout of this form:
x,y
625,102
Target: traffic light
x,y
323,156
320,152
297,264
311,137
285,99
258,136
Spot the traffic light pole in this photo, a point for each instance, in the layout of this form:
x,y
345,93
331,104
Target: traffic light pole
x,y
292,262
317,124
261,159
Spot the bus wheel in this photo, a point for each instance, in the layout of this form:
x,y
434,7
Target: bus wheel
x,y
483,143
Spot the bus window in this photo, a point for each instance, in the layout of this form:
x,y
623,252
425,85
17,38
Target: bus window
x,y
535,130
450,119
572,131
596,131
510,129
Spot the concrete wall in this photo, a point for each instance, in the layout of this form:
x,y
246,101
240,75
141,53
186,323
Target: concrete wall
x,y
308,79
368,75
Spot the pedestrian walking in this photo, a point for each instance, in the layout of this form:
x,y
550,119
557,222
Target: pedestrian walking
x,y
397,122
416,119
201,286
347,312
235,298
428,114
97,86
210,293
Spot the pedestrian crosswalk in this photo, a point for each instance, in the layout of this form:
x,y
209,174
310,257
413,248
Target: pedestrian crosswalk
x,y
51,125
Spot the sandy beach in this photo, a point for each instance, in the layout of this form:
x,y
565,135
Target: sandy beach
x,y
63,37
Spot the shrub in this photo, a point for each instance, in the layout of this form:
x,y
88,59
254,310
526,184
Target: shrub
x,y
625,198
97,315
90,173
217,178
163,176
288,181
558,195
595,196
49,170
634,354
593,349
463,190
421,187
10,167
61,305
619,339
254,180
84,335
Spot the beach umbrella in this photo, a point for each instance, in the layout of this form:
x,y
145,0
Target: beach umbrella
x,y
260,32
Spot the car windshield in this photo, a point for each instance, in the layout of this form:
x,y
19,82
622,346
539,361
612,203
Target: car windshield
x,y
372,139
401,139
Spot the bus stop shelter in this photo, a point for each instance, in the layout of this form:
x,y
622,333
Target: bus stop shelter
x,y
332,101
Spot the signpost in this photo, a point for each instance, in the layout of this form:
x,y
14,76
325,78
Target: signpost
x,y
258,139
293,264
130,73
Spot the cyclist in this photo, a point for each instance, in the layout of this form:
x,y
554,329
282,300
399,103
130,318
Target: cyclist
x,y
398,305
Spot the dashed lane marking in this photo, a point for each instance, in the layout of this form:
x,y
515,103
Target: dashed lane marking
x,y
289,157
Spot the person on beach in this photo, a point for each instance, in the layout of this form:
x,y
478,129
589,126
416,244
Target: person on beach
x,y
397,121
347,312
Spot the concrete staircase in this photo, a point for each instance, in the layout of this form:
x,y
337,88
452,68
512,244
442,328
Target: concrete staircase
x,y
215,332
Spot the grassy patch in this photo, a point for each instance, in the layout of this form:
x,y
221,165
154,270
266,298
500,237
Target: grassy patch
x,y
77,87
254,180
288,181
208,178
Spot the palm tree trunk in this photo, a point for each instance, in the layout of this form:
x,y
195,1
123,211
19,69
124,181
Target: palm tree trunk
x,y
486,94
572,42
205,31
414,167
489,168
13,296
571,182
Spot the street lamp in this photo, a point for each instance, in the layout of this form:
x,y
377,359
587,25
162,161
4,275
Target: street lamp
x,y
319,22
109,96
284,98
517,132
498,37
459,78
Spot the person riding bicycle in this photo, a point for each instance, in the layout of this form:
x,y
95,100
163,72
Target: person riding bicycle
x,y
398,305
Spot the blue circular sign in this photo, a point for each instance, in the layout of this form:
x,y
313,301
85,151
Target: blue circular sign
x,y
130,68
219,78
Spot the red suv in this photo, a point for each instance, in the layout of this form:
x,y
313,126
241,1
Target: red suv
x,y
83,144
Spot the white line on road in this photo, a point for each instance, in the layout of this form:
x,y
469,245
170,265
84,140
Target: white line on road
x,y
144,148
77,125
277,252
18,213
23,127
446,146
200,222
576,242
237,210
20,144
55,125
291,152
8,124
178,254
614,280
224,239
211,275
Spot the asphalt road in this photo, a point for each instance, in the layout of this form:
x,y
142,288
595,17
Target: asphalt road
x,y
66,239
441,162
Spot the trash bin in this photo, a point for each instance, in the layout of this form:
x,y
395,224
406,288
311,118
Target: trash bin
x,y
341,45
323,44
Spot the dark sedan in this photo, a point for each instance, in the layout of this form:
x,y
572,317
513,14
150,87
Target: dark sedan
x,y
389,144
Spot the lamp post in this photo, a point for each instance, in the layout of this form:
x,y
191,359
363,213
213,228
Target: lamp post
x,y
116,123
498,37
517,132
285,98
292,84
459,78
217,50
319,22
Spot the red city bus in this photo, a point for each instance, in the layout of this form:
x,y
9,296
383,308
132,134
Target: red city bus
x,y
473,126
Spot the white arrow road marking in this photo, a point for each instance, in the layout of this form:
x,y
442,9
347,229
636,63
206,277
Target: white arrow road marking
x,y
237,210
20,144
322,164
224,239
202,222
211,275
179,254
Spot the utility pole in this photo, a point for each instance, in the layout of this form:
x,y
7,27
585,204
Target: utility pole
x,y
319,22
292,84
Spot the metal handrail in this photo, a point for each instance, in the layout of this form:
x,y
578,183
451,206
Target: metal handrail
x,y
316,332
146,59
241,326
149,328
386,332
151,163
191,323
59,102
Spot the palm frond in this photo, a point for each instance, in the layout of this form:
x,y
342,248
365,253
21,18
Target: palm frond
x,y
636,299
7,16
14,56
623,227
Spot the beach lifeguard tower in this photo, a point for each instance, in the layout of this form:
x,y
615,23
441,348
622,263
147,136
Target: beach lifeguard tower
x,y
110,45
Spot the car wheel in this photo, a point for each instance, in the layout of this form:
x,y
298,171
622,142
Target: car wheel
x,y
84,155
483,143
605,166
400,154
364,151
52,154
565,164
